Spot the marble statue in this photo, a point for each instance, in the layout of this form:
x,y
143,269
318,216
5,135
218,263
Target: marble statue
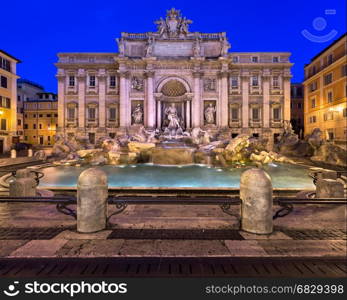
x,y
172,117
196,49
121,47
174,25
209,114
149,47
224,47
137,114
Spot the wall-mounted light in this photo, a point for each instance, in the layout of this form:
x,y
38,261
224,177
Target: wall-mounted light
x,y
1,112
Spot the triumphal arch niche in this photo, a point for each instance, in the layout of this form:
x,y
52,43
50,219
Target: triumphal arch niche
x,y
173,77
181,72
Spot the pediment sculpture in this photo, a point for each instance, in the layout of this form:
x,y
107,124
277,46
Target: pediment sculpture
x,y
174,24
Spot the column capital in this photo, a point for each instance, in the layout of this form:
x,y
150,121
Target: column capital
x,y
222,74
189,96
197,74
157,96
124,74
149,73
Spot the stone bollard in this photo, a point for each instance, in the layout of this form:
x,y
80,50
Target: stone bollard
x,y
92,192
329,188
23,173
23,187
13,153
256,201
30,152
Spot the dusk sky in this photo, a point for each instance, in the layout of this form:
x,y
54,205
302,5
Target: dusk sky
x,y
35,31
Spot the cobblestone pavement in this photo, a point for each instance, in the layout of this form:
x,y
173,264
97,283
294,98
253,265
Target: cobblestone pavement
x,y
39,231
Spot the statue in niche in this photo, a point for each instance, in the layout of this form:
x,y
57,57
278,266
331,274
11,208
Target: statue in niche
x,y
137,84
224,47
149,47
210,84
197,49
209,114
121,47
137,114
172,117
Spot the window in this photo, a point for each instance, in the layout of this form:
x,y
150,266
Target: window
x,y
71,113
345,112
49,138
40,126
3,82
112,81
328,78
34,126
313,86
26,126
18,98
313,103
235,59
330,97
71,80
330,59
312,119
19,122
344,70
275,82
234,82
255,114
3,124
113,113
40,115
299,105
277,114
255,59
48,115
234,114
5,64
255,81
275,59
92,80
26,138
34,115
91,113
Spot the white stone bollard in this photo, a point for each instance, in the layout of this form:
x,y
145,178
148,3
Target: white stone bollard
x,y
92,192
256,201
30,152
23,187
13,153
329,188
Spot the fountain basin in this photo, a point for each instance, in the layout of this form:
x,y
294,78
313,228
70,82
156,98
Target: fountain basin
x,y
284,176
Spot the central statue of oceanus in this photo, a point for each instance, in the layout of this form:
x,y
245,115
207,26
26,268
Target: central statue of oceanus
x,y
174,127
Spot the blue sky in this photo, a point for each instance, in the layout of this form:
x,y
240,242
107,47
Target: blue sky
x,y
41,29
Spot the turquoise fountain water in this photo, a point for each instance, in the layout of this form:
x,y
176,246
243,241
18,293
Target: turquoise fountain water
x,y
188,176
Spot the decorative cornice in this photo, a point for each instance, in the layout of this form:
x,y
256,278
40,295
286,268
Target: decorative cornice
x,y
149,73
124,74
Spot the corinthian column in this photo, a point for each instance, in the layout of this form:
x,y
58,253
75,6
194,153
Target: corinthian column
x,y
266,101
286,102
150,100
123,99
196,110
102,98
223,99
61,101
245,100
81,99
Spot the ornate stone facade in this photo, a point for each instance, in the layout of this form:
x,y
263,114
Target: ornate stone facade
x,y
209,87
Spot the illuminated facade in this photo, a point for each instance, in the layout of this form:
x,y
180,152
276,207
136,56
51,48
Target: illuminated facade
x,y
8,101
40,119
105,94
325,92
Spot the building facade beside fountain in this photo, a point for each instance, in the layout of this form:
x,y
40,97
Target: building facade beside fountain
x,y
173,81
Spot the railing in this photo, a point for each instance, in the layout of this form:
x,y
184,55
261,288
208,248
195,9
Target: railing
x,y
286,204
